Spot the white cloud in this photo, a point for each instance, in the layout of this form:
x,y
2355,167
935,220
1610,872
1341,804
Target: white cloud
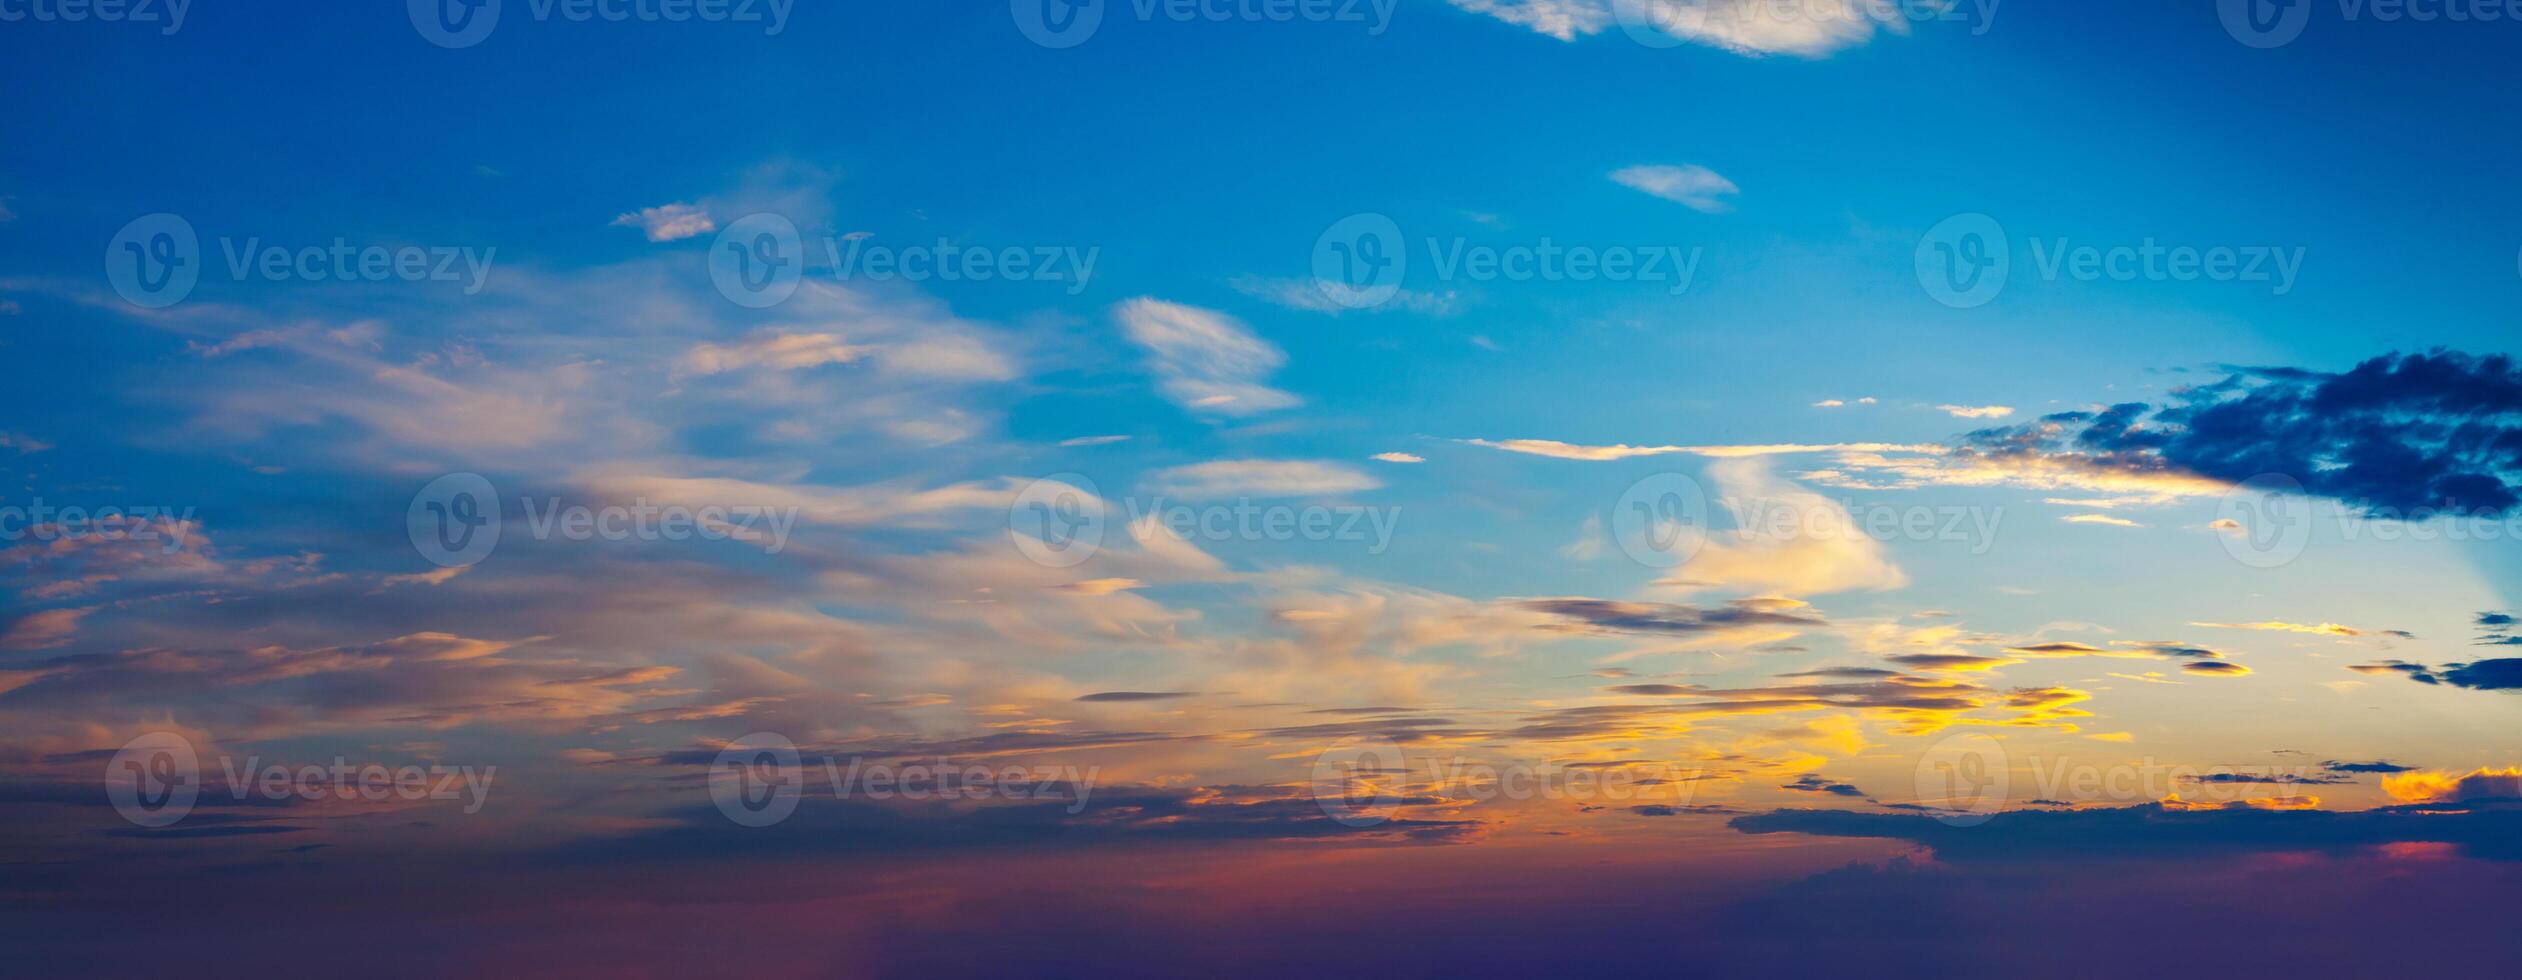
x,y
1261,478
1203,359
1690,185
669,222
1788,541
775,351
1399,457
1807,28
1976,411
1091,441
1564,450
2100,519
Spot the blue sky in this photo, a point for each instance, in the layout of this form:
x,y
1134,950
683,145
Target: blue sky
x,y
2088,587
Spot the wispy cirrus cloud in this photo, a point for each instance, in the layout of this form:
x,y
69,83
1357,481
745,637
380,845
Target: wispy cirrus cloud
x,y
669,222
1260,478
1690,185
1205,360
1808,29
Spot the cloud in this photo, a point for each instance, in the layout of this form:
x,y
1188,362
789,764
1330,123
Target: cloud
x,y
1788,541
669,222
43,630
2316,629
2215,668
1398,458
1611,616
1976,411
1695,187
1555,449
2169,828
2100,519
2444,787
1810,29
1091,441
2500,674
1132,696
1205,360
2395,434
1811,783
1260,478
773,351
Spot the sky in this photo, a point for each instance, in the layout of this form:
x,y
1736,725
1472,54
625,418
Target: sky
x,y
1147,487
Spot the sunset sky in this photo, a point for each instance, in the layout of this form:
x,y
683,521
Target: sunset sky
x,y
1252,487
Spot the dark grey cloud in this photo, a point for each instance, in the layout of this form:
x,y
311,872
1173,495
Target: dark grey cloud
x,y
2395,435
2482,828
1611,616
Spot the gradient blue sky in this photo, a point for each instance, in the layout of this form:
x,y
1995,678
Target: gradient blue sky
x,y
1201,163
